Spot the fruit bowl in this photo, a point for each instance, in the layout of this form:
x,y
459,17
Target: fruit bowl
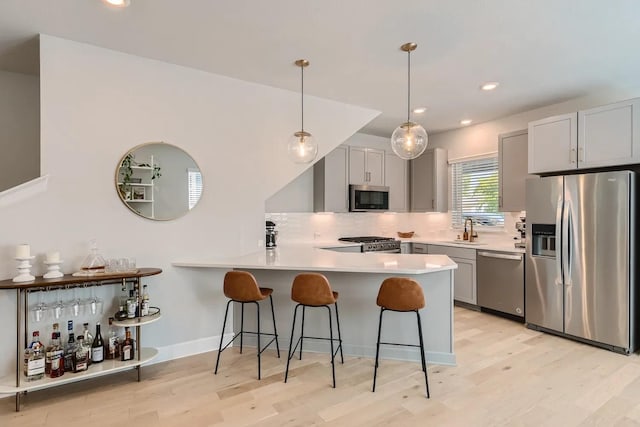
x,y
406,234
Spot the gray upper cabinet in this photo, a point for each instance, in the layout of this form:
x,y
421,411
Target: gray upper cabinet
x,y
598,137
330,182
366,166
429,181
396,177
512,158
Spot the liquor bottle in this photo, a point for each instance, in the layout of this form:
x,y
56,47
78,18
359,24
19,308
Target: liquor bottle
x,y
57,357
122,313
113,348
49,350
34,359
80,356
88,339
97,348
127,351
144,311
69,347
132,305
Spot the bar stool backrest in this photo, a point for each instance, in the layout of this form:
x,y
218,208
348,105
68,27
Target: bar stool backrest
x,y
312,289
400,294
241,286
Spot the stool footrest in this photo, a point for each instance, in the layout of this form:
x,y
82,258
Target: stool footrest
x,y
293,352
399,344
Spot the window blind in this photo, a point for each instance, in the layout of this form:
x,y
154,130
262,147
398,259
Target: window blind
x,y
474,192
195,186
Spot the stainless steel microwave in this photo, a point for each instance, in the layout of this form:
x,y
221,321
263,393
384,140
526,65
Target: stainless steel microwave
x,y
364,198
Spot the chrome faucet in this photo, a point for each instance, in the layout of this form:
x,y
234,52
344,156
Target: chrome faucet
x,y
471,236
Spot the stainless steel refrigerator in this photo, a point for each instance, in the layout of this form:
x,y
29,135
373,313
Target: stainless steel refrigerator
x,y
580,270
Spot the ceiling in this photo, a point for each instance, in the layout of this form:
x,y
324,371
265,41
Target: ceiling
x,y
541,51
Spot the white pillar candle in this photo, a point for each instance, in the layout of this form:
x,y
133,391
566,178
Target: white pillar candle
x,y
23,251
53,256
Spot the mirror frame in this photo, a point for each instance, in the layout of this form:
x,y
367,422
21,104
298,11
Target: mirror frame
x,y
125,201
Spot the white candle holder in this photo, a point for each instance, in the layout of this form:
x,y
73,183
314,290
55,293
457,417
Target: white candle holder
x,y
53,269
24,270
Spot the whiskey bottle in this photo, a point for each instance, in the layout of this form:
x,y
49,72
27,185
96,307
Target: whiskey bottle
x,y
97,348
57,357
34,359
49,350
80,356
113,348
127,351
69,348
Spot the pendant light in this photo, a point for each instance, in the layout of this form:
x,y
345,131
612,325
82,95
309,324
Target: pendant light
x,y
302,145
409,140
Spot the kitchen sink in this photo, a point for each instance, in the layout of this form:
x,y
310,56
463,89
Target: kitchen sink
x,y
466,242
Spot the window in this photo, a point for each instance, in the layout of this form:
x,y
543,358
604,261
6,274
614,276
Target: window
x,y
474,192
195,186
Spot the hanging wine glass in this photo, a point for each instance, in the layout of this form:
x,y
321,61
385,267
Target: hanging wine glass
x,y
39,310
95,303
75,304
58,307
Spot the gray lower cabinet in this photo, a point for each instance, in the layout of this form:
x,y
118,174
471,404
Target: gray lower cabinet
x,y
464,281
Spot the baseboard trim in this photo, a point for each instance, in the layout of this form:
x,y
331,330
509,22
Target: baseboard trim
x,y
189,348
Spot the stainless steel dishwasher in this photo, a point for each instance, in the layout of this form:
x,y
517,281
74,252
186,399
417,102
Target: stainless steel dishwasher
x,y
500,281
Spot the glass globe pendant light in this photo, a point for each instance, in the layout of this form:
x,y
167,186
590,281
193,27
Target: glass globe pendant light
x,y
409,140
302,145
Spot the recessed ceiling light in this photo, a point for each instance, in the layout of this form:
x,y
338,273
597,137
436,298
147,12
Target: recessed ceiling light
x,y
419,110
117,3
465,122
489,85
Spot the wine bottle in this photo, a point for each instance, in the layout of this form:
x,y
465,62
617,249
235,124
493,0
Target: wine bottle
x,y
97,348
69,348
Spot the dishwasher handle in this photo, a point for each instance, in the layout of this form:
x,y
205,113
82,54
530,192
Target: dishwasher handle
x,y
501,256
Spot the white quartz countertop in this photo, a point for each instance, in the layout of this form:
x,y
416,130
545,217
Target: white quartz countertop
x,y
308,258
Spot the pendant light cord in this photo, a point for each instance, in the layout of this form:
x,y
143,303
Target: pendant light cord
x,y
302,96
408,86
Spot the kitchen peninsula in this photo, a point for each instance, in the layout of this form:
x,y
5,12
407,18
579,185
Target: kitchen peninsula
x,y
357,278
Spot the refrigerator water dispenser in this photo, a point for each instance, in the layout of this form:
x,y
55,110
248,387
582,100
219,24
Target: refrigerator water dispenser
x,y
543,238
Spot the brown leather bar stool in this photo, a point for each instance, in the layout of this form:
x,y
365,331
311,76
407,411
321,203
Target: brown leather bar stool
x,y
314,290
241,286
404,295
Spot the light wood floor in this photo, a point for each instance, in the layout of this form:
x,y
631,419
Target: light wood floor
x,y
506,375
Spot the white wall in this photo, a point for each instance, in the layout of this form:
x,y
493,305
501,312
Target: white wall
x,y
96,105
19,129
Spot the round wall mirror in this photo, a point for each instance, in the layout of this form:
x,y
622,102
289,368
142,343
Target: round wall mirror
x,y
158,181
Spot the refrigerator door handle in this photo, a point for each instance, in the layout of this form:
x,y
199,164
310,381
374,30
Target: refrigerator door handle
x,y
559,272
566,248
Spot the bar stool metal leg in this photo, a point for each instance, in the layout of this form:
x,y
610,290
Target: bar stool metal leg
x,y
241,325
275,332
224,324
290,353
259,348
333,365
375,369
339,334
424,362
302,330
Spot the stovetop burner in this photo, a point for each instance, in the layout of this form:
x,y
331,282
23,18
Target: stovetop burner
x,y
375,243
366,239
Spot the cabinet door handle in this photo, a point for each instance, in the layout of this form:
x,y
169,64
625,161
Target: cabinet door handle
x,y
499,201
433,204
581,154
572,155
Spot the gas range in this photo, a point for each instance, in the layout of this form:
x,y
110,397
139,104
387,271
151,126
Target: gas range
x,y
375,243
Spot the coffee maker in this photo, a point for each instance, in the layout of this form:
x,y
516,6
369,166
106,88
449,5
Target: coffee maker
x,y
271,233
521,226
